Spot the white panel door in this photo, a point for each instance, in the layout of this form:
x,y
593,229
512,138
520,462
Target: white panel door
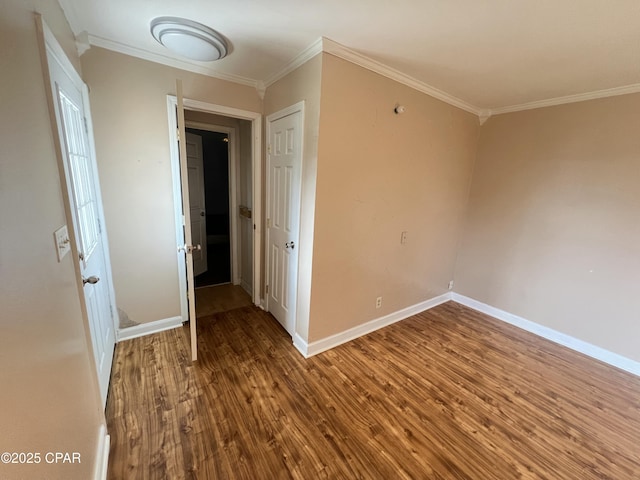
x,y
188,247
195,166
73,121
283,216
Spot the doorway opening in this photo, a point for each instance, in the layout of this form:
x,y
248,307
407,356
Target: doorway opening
x,y
242,129
213,265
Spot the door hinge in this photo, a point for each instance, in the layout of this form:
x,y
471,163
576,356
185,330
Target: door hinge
x,y
269,149
268,223
178,134
86,126
99,226
267,289
111,310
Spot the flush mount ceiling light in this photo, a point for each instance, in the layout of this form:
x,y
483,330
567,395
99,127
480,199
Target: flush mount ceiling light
x,y
189,39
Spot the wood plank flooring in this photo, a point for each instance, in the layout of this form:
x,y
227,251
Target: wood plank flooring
x,y
220,298
447,394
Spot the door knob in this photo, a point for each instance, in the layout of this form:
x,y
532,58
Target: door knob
x,y
92,280
202,214
290,245
193,248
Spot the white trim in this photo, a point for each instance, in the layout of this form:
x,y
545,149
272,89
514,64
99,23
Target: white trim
x,y
233,164
71,14
291,109
580,97
560,338
102,454
256,167
54,49
149,328
300,59
484,116
172,104
337,50
319,346
51,53
170,62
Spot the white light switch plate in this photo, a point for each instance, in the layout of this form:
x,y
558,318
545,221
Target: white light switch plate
x,y
63,244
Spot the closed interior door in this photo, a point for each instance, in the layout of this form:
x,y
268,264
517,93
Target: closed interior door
x,y
195,166
283,198
86,207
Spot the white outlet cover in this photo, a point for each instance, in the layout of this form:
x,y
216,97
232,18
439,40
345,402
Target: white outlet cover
x,y
63,244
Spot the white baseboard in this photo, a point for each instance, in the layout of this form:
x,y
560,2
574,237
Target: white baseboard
x,y
149,328
319,346
102,455
301,345
568,341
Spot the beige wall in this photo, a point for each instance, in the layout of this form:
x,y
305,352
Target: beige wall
x,y
380,174
49,398
303,84
129,107
553,233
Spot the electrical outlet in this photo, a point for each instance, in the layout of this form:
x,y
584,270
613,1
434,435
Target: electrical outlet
x,y
378,302
451,285
403,238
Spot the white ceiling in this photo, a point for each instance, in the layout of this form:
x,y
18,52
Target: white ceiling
x,y
485,54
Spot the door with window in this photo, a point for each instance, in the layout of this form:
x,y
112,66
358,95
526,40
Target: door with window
x,y
70,102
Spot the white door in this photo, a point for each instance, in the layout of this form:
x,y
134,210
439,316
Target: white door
x,y
73,120
195,165
188,248
283,214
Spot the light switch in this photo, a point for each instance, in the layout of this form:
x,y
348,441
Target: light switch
x,y
63,244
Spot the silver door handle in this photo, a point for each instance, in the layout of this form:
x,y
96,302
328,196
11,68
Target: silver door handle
x,y
193,248
189,248
290,245
92,280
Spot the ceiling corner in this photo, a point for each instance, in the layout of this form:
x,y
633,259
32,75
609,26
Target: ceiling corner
x,y
71,15
307,54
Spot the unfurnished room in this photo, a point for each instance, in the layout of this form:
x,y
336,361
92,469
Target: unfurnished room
x,y
330,240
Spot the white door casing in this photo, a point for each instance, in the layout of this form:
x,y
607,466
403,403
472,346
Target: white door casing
x,y
70,103
284,166
256,182
187,248
195,166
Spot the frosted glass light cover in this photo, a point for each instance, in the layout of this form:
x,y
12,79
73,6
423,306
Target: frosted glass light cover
x,y
189,39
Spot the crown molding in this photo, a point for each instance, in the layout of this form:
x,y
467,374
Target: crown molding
x,y
71,14
581,97
484,115
299,60
337,50
168,61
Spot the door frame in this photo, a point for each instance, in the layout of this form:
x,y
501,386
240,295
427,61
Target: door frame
x,y
234,191
49,46
295,108
256,179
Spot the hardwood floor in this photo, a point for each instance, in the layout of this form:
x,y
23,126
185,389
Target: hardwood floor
x,y
447,394
220,298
